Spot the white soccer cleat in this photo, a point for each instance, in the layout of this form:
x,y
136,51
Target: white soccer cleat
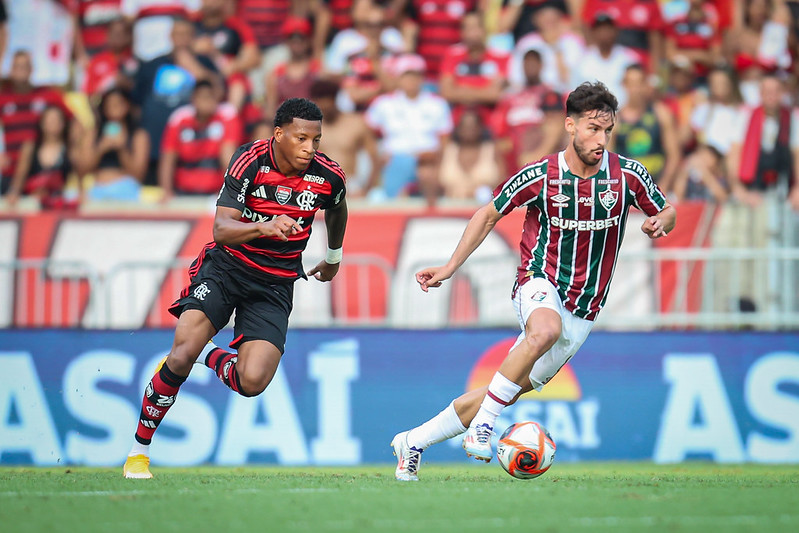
x,y
477,442
408,458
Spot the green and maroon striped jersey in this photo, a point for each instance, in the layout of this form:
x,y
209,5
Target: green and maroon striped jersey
x,y
574,226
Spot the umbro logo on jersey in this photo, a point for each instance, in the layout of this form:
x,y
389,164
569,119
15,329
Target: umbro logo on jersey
x,y
560,200
260,192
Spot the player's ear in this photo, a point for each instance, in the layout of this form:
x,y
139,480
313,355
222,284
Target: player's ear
x,y
278,133
571,126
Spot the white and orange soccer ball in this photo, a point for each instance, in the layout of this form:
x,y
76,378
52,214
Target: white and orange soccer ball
x,y
526,450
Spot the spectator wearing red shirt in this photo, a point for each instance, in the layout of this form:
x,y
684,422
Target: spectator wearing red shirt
x,y
438,27
528,123
94,20
114,67
227,40
695,35
640,25
197,144
472,75
21,105
292,78
518,16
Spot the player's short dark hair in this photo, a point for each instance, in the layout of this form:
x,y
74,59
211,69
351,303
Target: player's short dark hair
x,y
324,88
591,97
292,108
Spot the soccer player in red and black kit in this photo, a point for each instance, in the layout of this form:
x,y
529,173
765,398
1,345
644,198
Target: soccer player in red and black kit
x,y
577,202
272,190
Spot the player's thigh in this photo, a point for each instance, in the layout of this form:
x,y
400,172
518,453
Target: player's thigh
x,y
539,310
574,333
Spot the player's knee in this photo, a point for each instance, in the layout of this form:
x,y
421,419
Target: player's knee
x,y
252,385
542,337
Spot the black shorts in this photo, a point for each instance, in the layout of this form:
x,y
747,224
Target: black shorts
x,y
216,289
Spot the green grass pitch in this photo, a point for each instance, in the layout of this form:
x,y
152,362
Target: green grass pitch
x,y
580,497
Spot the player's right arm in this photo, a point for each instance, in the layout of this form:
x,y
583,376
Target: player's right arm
x,y
480,225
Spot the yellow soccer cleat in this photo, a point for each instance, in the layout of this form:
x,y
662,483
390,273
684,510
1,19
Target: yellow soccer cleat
x,y
160,364
137,467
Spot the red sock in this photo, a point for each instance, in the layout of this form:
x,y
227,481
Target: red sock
x,y
224,364
158,398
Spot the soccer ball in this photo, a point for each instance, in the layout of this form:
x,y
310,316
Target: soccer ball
x,y
526,450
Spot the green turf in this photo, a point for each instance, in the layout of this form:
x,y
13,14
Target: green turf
x,y
459,498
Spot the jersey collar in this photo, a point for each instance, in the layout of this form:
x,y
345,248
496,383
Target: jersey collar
x,y
563,167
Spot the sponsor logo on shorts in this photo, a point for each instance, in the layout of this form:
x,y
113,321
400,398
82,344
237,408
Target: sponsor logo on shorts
x,y
539,296
584,225
153,412
201,291
560,200
283,194
608,199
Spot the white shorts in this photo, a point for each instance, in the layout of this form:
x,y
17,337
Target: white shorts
x,y
538,293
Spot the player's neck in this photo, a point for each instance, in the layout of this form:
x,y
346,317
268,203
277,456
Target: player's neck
x,y
283,166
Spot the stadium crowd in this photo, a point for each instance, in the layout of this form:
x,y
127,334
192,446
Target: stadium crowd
x,y
145,100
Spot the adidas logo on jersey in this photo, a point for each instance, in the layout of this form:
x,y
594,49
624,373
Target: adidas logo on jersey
x,y
260,192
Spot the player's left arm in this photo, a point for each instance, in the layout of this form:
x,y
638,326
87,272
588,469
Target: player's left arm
x,y
336,222
661,224
648,197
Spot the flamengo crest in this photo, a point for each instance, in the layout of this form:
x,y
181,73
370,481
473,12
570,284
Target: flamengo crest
x,y
282,194
608,198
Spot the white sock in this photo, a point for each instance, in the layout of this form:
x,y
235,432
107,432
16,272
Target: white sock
x,y
501,391
205,351
441,427
139,449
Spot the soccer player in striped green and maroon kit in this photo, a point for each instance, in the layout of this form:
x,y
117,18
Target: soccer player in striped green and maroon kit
x,y
577,203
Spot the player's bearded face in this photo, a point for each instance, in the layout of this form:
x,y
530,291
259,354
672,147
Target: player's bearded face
x,y
591,136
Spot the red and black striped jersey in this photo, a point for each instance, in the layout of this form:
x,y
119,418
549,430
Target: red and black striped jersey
x,y
255,186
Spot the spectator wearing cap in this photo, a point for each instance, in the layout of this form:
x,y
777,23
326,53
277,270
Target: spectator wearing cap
x,y
116,65
528,122
198,142
560,48
366,75
605,60
414,124
640,26
471,74
696,35
294,77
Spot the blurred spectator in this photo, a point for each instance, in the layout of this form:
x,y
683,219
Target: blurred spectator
x,y
165,83
94,20
714,124
294,77
528,123
645,129
266,18
438,26
115,66
21,105
472,75
46,30
366,74
152,24
352,41
561,49
45,162
227,40
696,35
759,45
640,26
198,143
470,164
3,29
765,152
605,60
117,151
520,16
346,139
681,97
414,125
